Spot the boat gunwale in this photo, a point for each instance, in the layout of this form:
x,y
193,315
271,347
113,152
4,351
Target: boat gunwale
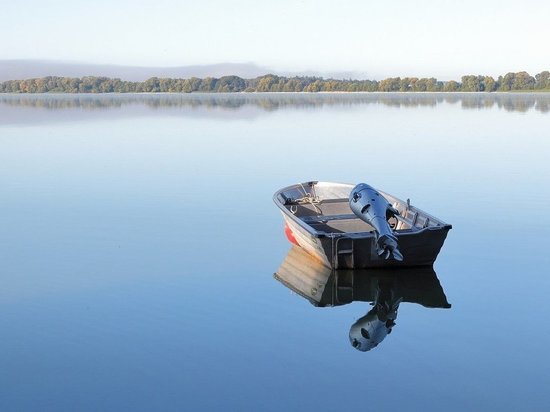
x,y
320,234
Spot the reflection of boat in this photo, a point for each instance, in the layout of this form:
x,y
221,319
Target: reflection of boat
x,y
384,288
318,218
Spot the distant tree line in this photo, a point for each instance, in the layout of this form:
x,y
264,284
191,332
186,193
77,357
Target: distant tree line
x,y
521,81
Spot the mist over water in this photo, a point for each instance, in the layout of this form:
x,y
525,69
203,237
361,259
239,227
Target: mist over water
x,y
138,242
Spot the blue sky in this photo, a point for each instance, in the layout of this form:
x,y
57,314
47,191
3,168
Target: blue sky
x,y
376,38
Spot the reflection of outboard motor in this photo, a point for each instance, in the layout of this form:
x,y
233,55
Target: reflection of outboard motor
x,y
373,208
367,332
385,288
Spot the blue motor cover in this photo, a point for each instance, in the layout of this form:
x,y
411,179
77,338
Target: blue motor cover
x,y
370,206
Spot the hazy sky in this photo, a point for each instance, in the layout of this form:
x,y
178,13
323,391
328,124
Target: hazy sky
x,y
378,38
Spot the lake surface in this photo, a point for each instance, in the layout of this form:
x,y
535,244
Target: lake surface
x,y
138,243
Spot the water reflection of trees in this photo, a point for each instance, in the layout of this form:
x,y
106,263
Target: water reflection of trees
x,y
519,102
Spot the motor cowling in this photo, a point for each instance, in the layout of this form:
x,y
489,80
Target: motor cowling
x,y
373,208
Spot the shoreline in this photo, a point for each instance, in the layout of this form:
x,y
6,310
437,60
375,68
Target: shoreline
x,y
242,93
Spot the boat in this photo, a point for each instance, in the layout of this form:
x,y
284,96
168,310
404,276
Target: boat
x,y
342,226
384,288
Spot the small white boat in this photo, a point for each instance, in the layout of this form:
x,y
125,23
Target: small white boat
x,y
323,219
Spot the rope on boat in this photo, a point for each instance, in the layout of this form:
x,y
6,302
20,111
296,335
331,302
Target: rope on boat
x,y
308,198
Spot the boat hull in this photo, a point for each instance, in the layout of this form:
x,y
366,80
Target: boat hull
x,y
418,249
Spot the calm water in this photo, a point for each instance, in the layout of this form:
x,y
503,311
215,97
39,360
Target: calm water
x,y
138,242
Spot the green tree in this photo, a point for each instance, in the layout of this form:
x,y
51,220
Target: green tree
x,y
432,85
266,82
230,84
407,84
507,82
151,85
208,84
314,87
489,84
523,81
472,83
391,84
542,80
421,85
451,86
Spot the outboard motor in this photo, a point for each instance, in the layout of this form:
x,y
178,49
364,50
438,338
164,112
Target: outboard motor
x,y
370,206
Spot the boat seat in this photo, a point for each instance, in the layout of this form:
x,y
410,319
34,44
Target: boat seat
x,y
403,226
326,218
